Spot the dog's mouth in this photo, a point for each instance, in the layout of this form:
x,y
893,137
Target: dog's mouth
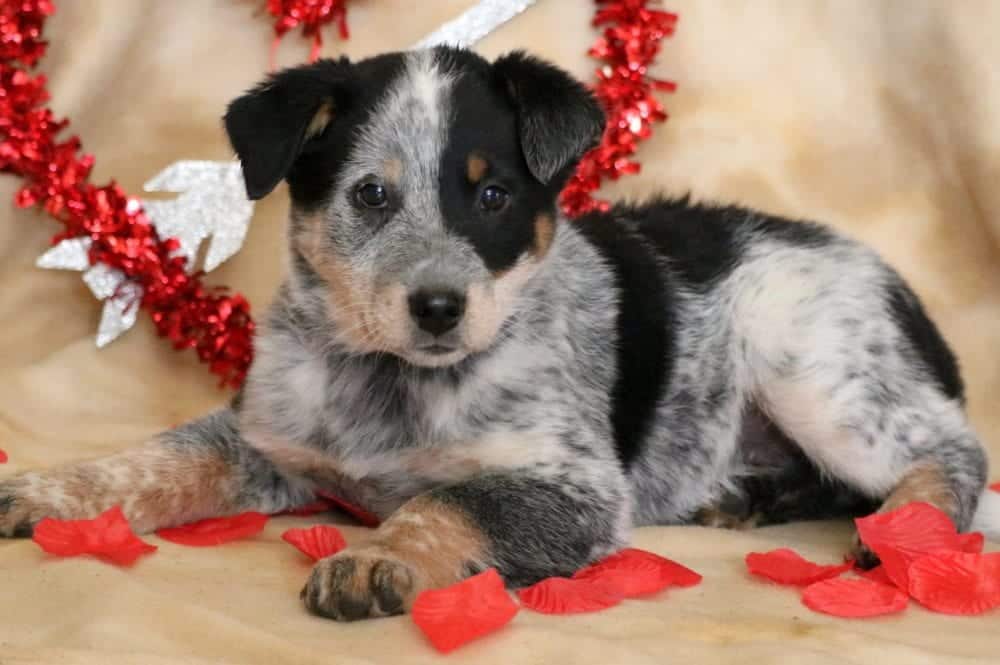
x,y
437,349
436,354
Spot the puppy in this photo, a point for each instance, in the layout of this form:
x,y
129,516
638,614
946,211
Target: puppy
x,y
505,388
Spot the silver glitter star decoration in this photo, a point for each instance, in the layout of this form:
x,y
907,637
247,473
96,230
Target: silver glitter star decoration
x,y
477,22
212,204
121,296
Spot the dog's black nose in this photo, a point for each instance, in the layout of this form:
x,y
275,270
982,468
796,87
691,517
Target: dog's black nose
x,y
437,312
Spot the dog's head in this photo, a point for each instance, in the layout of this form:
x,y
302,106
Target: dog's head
x,y
423,188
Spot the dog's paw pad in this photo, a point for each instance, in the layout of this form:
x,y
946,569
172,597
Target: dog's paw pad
x,y
351,586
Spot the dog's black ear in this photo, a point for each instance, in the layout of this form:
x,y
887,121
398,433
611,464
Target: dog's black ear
x,y
271,124
557,117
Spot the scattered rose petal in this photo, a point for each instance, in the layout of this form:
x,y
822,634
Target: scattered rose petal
x,y
995,487
956,582
464,612
360,514
561,595
309,509
785,566
216,530
971,543
896,564
633,572
3,457
853,598
916,527
317,542
107,536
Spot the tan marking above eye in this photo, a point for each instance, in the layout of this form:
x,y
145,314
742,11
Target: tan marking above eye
x,y
393,170
320,120
545,231
476,167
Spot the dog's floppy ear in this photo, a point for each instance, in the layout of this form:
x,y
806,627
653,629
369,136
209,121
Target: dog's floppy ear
x,y
557,117
272,124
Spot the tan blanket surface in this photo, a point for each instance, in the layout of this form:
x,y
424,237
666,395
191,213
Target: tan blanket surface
x,y
881,118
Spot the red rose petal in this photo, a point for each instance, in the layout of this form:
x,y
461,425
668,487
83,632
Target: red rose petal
x,y
853,598
107,536
785,566
915,527
561,595
896,564
904,535
971,543
464,612
3,457
956,582
317,542
995,487
309,509
634,572
876,574
216,530
360,514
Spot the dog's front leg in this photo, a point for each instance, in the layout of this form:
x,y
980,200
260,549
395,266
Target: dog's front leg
x,y
527,525
198,470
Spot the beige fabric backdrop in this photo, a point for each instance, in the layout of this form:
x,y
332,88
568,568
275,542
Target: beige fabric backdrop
x,y
878,117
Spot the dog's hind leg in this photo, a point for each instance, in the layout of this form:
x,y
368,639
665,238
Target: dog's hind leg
x,y
910,443
197,470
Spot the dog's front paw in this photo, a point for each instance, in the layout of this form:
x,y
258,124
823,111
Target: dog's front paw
x,y
23,505
359,583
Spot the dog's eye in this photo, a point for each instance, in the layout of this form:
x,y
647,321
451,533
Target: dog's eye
x,y
372,195
493,198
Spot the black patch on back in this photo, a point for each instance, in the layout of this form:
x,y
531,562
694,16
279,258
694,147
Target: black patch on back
x,y
928,347
644,332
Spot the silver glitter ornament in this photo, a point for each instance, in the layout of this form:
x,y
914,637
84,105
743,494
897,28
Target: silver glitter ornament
x,y
212,204
121,296
475,23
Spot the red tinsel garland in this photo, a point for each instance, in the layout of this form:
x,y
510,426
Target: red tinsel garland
x,y
628,46
312,15
56,175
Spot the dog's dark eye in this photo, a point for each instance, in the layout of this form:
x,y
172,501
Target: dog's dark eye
x,y
493,198
372,195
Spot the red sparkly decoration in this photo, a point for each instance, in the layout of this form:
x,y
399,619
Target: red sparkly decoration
x,y
628,46
312,15
217,326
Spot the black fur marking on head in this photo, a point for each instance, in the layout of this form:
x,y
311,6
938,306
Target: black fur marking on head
x,y
927,345
485,125
557,117
269,126
645,330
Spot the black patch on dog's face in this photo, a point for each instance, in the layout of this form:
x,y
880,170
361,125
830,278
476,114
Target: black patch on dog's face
x,y
491,110
484,127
